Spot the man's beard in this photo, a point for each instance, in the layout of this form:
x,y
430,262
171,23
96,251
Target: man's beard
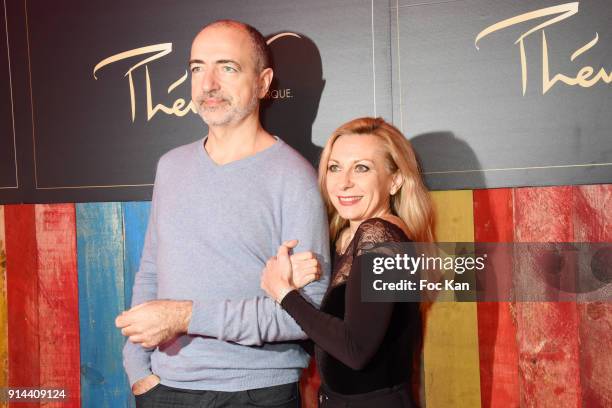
x,y
231,115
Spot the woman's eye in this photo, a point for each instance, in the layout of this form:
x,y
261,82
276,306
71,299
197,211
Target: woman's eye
x,y
333,168
361,168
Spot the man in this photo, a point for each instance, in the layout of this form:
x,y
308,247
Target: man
x,y
221,207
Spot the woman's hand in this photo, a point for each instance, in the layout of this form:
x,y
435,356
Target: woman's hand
x,y
276,278
305,268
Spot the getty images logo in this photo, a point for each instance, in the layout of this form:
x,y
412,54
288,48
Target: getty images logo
x,y
180,107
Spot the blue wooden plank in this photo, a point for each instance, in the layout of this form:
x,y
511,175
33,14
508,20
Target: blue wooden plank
x,y
101,298
135,220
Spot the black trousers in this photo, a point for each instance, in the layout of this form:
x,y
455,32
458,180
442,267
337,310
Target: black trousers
x,y
161,396
395,397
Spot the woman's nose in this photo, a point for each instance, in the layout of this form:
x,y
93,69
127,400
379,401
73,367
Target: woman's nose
x,y
346,180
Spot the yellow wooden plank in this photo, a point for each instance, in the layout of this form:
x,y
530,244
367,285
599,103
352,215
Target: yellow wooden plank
x,y
454,215
3,310
451,361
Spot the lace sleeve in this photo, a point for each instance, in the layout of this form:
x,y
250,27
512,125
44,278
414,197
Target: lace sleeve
x,y
373,233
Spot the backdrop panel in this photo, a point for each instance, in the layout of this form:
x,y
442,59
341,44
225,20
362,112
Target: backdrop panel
x,y
8,159
491,93
110,90
482,114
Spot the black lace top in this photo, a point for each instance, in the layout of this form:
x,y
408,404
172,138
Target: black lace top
x,y
360,346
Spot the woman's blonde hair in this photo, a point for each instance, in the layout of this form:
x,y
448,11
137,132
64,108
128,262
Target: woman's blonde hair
x,y
411,202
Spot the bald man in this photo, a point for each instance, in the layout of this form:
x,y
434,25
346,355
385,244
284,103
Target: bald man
x,y
201,332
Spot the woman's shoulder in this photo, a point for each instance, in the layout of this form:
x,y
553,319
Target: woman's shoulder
x,y
379,230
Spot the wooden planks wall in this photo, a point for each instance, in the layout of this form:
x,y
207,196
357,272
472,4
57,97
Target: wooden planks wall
x,y
547,332
3,310
592,220
490,355
22,296
135,217
499,385
450,349
101,299
42,300
58,303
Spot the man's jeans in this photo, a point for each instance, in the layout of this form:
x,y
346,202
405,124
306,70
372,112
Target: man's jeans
x,y
161,396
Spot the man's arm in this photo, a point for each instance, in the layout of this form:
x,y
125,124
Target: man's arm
x,y
260,319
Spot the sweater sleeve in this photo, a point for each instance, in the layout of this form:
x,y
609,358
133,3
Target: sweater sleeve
x,y
136,359
355,339
258,320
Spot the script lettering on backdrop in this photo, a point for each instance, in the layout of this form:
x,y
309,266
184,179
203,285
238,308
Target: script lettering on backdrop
x,y
584,77
180,107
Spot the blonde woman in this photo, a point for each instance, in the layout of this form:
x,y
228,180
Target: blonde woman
x,y
370,181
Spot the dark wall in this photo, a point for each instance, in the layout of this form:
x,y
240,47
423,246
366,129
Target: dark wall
x,y
96,93
476,126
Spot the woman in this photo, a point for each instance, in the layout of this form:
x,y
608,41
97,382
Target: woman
x,y
365,352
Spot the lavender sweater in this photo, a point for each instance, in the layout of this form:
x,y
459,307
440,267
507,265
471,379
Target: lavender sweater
x,y
211,230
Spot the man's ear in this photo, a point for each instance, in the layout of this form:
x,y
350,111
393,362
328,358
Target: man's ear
x,y
265,79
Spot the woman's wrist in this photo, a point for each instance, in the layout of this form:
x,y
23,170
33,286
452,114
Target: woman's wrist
x,y
283,292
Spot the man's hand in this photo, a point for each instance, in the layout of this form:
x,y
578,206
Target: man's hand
x,y
153,323
145,384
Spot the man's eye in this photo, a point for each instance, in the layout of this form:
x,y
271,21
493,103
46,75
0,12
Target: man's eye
x,y
195,69
361,168
333,168
227,68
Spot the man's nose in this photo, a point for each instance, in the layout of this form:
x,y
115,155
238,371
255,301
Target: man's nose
x,y
209,81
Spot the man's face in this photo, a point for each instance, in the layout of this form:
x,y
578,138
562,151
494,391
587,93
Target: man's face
x,y
225,84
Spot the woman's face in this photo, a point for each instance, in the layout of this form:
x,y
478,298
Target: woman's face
x,y
358,183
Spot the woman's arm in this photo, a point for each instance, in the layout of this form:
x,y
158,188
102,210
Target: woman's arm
x,y
354,340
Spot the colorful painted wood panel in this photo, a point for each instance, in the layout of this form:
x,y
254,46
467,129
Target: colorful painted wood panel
x,y
3,310
451,337
499,386
101,299
58,303
490,355
547,332
22,295
135,221
592,220
309,385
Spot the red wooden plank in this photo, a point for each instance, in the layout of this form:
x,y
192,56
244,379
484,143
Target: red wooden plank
x,y
493,219
498,352
3,311
547,332
58,303
593,223
309,385
543,214
22,294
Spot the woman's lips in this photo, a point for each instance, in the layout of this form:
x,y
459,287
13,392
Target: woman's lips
x,y
349,200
